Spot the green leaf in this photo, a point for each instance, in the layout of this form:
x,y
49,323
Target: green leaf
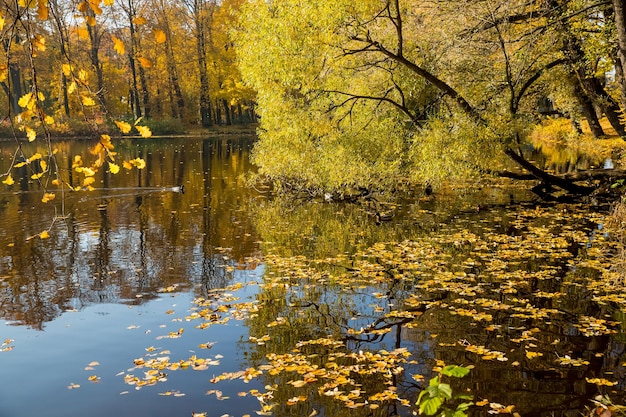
x,y
430,406
455,371
445,390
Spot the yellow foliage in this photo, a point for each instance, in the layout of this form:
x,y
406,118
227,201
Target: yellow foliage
x,y
9,180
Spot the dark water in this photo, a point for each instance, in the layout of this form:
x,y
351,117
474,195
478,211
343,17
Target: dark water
x,y
116,282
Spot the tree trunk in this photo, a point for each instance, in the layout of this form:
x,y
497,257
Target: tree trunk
x,y
229,120
609,107
63,44
137,113
588,109
205,98
619,11
178,107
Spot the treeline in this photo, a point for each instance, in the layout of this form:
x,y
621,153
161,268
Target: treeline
x,y
98,60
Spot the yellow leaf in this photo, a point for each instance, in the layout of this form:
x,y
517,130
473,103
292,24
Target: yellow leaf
x,y
48,197
67,69
30,134
108,2
139,163
144,131
49,120
3,67
145,62
43,164
88,172
127,165
35,157
44,234
9,180
118,45
71,88
82,76
39,42
123,126
90,20
114,168
88,181
42,9
1,22
531,355
56,182
95,6
83,33
87,101
25,100
140,20
159,36
37,176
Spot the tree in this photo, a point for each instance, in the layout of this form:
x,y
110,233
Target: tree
x,y
201,13
455,85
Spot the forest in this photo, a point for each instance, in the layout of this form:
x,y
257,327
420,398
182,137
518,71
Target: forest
x,y
94,61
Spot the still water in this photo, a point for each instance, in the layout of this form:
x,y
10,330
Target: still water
x,y
208,284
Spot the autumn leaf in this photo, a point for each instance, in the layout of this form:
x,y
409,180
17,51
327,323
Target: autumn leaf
x,y
144,131
44,235
159,36
140,20
123,126
39,42
88,101
26,101
30,134
48,197
42,9
145,62
118,45
114,168
9,180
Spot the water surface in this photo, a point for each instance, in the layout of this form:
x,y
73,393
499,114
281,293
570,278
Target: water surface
x,y
223,276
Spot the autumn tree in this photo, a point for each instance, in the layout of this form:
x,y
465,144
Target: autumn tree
x,y
351,94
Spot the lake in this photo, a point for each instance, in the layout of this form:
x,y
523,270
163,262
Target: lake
x,y
226,300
